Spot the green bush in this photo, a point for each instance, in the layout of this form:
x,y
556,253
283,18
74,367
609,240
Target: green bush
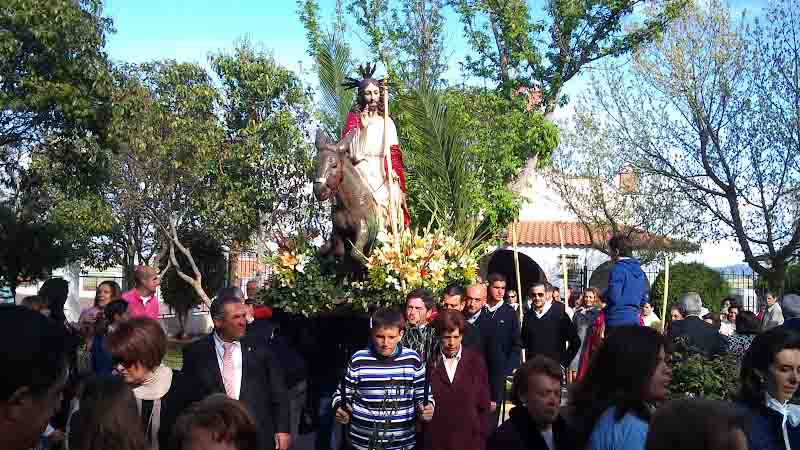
x,y
697,376
690,277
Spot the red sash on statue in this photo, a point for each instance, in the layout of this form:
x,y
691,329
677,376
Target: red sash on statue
x,y
353,121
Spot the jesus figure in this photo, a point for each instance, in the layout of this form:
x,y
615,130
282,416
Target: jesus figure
x,y
366,151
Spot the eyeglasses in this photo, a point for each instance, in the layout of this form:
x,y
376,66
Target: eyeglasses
x,y
538,294
512,296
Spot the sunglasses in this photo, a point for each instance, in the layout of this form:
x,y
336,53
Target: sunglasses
x,y
512,296
122,362
538,294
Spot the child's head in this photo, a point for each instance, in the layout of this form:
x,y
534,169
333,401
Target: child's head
x,y
386,329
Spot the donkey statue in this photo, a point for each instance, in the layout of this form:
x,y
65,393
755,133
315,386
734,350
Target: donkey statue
x,y
355,212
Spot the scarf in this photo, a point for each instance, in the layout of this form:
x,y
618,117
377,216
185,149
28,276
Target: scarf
x,y
789,413
154,388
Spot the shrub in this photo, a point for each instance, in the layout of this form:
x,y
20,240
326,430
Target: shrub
x,y
695,375
690,277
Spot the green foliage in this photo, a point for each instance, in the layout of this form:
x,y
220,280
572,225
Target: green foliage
x,y
690,277
209,257
697,376
499,137
29,249
515,50
334,64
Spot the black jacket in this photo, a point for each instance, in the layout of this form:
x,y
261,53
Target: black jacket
x,y
695,334
492,353
520,433
263,390
553,335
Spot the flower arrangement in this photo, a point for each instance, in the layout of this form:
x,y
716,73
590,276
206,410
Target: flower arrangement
x,y
304,283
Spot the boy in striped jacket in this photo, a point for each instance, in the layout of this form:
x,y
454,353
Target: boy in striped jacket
x,y
385,391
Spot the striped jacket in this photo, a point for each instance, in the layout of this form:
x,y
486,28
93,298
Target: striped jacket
x,y
383,393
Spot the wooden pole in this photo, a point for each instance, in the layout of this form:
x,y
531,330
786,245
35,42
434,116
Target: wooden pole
x,y
520,296
666,293
387,153
564,281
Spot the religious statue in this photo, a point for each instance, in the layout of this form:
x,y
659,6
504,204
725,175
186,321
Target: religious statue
x,y
354,173
373,133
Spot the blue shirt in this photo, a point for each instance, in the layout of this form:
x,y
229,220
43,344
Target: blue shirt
x,y
629,433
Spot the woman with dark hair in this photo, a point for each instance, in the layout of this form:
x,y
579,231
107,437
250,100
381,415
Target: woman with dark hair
x,y
769,378
689,424
613,403
113,313
747,327
107,411
460,384
138,347
106,292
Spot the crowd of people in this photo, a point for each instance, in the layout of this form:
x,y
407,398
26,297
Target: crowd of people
x,y
432,376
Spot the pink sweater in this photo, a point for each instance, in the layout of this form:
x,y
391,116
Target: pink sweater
x,y
137,308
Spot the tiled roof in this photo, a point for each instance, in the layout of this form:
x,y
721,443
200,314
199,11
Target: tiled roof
x,y
546,233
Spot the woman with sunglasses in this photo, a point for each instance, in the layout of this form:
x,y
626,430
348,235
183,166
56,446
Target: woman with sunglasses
x,y
138,347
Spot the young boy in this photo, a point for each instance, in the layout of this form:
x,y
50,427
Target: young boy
x,y
384,389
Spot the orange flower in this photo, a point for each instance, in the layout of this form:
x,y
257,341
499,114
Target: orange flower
x,y
288,260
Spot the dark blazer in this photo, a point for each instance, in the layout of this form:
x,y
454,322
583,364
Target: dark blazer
x,y
462,407
263,390
492,354
765,431
696,334
520,433
506,321
553,335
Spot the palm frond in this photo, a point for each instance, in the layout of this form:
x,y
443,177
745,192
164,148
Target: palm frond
x,y
441,165
334,65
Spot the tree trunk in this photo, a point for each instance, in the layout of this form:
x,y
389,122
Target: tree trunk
x,y
183,318
776,277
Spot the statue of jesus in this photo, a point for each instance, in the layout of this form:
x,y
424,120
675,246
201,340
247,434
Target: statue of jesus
x,y
366,150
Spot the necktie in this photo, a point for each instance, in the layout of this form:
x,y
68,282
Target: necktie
x,y
227,370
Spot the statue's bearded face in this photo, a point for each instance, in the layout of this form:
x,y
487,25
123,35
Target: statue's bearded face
x,y
371,96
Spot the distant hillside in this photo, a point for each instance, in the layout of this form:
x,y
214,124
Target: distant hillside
x,y
742,268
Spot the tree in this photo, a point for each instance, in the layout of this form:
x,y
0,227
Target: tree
x,y
514,50
598,184
268,169
209,256
55,101
711,108
690,277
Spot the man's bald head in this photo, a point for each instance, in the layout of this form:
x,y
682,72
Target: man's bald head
x,y
475,297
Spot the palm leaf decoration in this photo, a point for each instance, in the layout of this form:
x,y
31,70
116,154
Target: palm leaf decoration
x,y
334,65
441,169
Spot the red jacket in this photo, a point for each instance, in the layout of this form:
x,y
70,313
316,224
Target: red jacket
x,y
461,419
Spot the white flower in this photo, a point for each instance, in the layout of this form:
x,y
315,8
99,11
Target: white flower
x,y
272,247
308,188
318,242
491,249
383,236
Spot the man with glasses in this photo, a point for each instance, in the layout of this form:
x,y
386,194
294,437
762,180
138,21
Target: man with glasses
x,y
548,330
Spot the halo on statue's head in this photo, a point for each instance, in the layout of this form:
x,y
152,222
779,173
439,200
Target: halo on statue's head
x,y
365,78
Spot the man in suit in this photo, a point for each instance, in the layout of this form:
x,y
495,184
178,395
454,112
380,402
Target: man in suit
x,y
225,362
693,333
453,298
506,321
495,358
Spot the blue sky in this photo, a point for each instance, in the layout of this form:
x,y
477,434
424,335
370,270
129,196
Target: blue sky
x,y
187,30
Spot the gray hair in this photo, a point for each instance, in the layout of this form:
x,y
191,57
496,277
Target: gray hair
x,y
217,309
691,303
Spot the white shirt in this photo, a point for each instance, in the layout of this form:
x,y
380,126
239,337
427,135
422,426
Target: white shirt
x,y
494,308
474,317
549,439
237,362
145,299
544,310
727,329
451,371
570,312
